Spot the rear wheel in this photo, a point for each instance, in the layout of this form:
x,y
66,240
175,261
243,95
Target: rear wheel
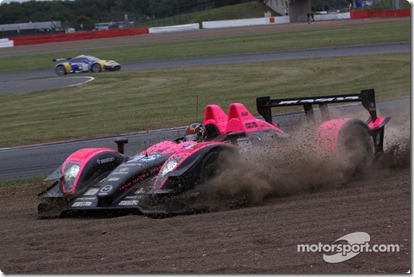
x,y
60,70
96,68
356,147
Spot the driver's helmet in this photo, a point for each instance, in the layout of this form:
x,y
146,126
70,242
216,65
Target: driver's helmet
x,y
195,132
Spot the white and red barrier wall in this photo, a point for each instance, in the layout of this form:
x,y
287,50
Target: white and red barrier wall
x,y
189,27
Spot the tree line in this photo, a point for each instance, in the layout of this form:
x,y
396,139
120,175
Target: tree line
x,y
87,12
83,14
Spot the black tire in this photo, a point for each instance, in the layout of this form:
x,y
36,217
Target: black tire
x,y
356,147
52,207
60,70
209,167
212,163
96,67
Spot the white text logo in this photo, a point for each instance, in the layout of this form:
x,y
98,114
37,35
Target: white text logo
x,y
347,247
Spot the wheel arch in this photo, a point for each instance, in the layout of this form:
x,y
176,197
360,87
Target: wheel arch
x,y
191,163
65,67
101,66
203,154
329,133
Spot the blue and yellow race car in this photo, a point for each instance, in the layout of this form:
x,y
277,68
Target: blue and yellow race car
x,y
84,63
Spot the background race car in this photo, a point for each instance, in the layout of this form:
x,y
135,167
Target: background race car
x,y
84,63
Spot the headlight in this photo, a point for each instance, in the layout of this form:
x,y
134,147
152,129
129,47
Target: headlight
x,y
170,165
69,177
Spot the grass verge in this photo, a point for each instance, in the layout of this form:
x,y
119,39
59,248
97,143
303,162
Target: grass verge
x,y
20,182
379,32
123,102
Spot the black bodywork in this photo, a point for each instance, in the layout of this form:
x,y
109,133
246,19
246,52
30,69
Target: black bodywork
x,y
163,179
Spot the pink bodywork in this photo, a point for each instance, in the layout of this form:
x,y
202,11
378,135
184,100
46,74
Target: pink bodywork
x,y
239,119
378,123
167,147
328,132
81,157
184,153
213,114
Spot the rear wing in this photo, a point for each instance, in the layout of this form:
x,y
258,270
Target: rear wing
x,y
367,97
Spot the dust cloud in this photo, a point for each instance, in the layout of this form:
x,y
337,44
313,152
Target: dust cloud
x,y
295,166
397,142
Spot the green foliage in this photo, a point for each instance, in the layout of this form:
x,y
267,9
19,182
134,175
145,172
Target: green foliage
x,y
245,10
84,23
326,5
96,10
72,13
388,5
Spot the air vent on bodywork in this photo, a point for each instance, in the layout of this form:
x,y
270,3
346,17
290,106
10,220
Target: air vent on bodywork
x,y
104,201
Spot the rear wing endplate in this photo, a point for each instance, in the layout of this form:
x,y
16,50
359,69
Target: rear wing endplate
x,y
367,97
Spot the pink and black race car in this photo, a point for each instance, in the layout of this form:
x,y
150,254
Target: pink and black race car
x,y
164,178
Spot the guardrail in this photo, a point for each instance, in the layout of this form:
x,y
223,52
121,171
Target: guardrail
x,y
332,16
245,22
174,28
79,36
221,24
380,13
187,27
5,42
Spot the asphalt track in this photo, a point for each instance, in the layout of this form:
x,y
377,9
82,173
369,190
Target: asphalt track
x,y
13,82
41,160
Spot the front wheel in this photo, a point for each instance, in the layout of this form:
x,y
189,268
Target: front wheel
x,y
209,167
52,207
60,70
96,68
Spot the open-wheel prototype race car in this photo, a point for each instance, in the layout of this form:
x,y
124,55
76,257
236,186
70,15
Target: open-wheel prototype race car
x,y
164,178
84,63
